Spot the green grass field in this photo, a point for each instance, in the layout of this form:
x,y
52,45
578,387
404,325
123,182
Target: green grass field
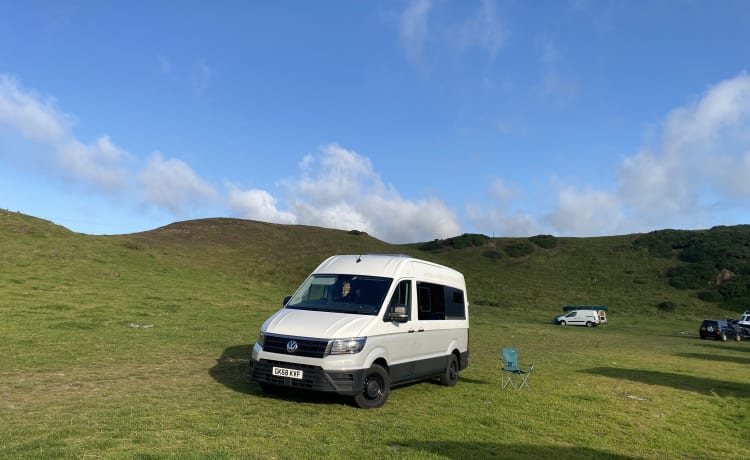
x,y
78,380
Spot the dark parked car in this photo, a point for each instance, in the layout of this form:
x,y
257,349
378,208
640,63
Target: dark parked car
x,y
718,329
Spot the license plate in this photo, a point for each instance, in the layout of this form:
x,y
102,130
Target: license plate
x,y
284,372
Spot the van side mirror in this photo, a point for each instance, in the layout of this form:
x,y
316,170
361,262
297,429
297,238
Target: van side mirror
x,y
399,314
286,300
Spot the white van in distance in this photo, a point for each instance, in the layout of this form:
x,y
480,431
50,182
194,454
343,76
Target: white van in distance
x,y
588,318
360,324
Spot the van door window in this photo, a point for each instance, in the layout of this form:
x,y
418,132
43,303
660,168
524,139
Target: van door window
x,y
401,297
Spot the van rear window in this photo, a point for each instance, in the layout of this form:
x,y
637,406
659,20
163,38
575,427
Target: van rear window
x,y
355,294
440,302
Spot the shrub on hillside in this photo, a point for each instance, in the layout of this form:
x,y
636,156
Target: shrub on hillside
x,y
667,306
492,254
434,245
544,241
467,240
710,295
736,287
519,248
663,243
691,276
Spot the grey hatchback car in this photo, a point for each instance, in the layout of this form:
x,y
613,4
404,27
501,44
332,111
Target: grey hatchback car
x,y
718,329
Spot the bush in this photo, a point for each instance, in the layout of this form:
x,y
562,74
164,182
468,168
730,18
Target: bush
x,y
467,240
692,276
667,306
492,254
663,243
710,295
544,241
432,246
519,248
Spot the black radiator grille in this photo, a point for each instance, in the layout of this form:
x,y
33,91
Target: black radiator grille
x,y
311,348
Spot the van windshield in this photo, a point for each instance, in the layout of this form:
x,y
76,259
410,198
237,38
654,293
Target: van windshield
x,y
355,294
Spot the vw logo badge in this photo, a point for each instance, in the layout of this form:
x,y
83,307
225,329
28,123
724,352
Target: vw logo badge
x,y
291,346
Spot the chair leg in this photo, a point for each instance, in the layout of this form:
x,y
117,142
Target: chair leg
x,y
508,380
525,378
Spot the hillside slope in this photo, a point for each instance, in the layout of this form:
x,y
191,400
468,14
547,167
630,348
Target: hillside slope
x,y
219,258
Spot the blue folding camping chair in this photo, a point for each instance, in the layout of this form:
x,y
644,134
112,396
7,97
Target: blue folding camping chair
x,y
511,370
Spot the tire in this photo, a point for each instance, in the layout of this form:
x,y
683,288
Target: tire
x,y
562,323
450,376
737,337
589,324
723,337
375,388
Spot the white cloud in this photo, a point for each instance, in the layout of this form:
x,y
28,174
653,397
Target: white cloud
x,y
33,118
340,189
257,205
414,29
500,217
172,184
702,163
39,121
484,29
585,213
96,163
697,174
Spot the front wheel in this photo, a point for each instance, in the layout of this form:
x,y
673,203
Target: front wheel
x,y
562,323
450,376
723,337
737,337
589,324
375,388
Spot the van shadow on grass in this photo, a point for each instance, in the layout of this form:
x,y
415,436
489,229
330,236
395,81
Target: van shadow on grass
x,y
474,450
232,370
701,385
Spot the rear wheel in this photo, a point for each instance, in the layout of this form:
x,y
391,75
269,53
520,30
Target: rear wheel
x,y
375,388
450,376
737,337
723,337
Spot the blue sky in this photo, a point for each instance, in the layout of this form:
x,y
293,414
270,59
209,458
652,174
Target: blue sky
x,y
410,120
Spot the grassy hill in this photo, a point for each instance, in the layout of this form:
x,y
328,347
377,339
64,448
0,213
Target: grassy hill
x,y
138,345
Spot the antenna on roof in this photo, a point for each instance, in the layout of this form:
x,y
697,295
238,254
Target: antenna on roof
x,y
359,258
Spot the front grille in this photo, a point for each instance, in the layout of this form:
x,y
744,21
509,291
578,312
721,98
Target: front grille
x,y
311,348
314,377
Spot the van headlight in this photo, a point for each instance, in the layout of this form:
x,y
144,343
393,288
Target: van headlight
x,y
261,339
346,346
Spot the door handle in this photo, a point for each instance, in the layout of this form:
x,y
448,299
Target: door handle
x,y
411,331
421,329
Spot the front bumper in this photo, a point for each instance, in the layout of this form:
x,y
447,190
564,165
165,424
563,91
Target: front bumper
x,y
315,378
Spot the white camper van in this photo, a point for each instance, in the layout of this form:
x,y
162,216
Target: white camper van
x,y
359,324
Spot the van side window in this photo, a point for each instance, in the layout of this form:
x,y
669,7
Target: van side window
x,y
455,306
437,302
431,298
401,296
